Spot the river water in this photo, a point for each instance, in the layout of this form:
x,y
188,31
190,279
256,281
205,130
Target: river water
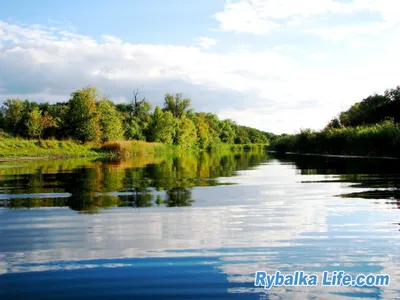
x,y
196,226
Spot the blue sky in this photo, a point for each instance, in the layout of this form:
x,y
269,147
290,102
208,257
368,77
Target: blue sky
x,y
271,64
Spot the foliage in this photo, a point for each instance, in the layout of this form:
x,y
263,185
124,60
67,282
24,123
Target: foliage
x,y
370,127
382,139
110,122
90,117
162,128
373,109
82,118
177,105
37,123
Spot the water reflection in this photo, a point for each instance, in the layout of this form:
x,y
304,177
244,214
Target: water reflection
x,y
144,182
250,212
374,178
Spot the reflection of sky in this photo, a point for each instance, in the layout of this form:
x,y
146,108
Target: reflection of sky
x,y
269,221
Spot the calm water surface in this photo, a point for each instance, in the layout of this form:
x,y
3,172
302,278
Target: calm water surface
x,y
196,226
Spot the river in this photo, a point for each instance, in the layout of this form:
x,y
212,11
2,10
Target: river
x,y
196,226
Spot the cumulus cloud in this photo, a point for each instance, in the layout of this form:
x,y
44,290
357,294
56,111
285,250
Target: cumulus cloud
x,y
265,16
280,88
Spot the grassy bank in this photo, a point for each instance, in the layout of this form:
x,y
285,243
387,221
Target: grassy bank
x,y
17,148
381,139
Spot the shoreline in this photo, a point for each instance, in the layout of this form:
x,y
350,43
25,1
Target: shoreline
x,y
44,157
335,155
67,156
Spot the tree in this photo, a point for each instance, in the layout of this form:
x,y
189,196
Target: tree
x,y
139,107
136,117
110,121
34,124
82,118
204,133
37,122
13,115
2,120
334,124
176,104
185,133
241,135
227,134
162,128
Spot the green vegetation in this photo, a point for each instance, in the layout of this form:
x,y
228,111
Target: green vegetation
x,y
18,147
368,128
92,121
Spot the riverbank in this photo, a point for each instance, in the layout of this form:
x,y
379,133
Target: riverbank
x,y
21,149
17,149
12,149
379,140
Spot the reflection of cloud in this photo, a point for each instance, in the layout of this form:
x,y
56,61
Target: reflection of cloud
x,y
248,227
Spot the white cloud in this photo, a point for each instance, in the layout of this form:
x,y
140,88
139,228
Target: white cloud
x,y
262,88
243,17
206,42
264,16
342,32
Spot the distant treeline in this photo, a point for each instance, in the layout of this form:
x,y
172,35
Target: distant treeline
x,y
90,117
370,127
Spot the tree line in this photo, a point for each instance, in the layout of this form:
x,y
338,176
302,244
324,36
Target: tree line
x,y
370,127
90,117
371,110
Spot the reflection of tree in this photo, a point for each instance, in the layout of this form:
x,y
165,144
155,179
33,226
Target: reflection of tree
x,y
138,197
178,196
91,202
37,202
362,172
95,185
325,165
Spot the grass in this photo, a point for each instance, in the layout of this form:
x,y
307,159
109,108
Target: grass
x,y
17,147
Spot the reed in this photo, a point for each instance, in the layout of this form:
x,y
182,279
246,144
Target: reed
x,y
127,149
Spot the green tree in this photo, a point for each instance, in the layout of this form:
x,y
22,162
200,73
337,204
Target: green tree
x,y
162,128
185,133
34,124
205,137
110,121
136,118
82,118
241,135
37,122
176,104
13,115
227,133
333,124
2,120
